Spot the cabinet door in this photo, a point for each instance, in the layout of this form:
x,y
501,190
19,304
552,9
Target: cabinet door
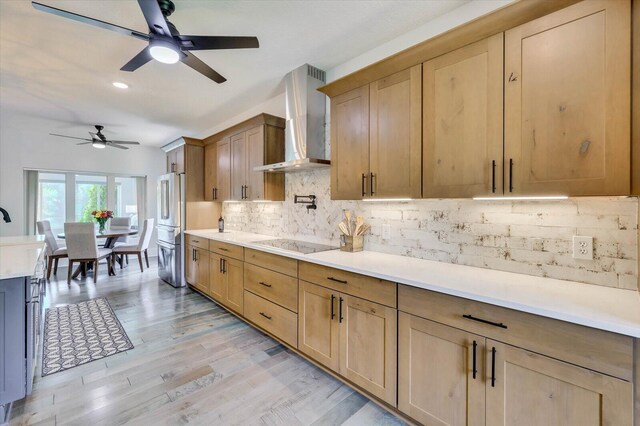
x,y
190,269
172,161
462,121
396,135
567,102
531,389
223,179
350,145
210,171
436,380
368,343
238,165
13,334
234,277
255,157
318,324
217,280
202,269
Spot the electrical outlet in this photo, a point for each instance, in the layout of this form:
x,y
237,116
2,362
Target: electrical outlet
x,y
582,247
386,231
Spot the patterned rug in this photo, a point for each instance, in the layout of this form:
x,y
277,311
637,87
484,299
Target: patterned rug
x,y
80,333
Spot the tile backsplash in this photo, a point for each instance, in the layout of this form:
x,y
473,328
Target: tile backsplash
x,y
532,237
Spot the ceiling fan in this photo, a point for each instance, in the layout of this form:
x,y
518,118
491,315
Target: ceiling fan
x,y
165,42
98,140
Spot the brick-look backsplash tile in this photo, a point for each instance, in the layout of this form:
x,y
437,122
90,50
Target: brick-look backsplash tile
x,y
532,237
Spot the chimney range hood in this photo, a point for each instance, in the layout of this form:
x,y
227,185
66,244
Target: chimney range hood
x,y
304,142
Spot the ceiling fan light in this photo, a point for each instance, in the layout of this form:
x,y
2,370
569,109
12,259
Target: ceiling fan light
x,y
98,144
163,51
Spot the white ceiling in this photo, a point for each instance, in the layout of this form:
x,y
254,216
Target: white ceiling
x,y
60,69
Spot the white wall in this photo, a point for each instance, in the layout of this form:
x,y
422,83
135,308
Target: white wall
x,y
25,143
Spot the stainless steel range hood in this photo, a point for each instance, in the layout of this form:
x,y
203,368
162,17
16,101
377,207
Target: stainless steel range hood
x,y
304,133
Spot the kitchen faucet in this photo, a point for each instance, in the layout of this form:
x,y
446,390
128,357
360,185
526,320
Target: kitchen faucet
x,y
5,215
306,199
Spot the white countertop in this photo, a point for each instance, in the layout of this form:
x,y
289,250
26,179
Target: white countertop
x,y
19,256
604,308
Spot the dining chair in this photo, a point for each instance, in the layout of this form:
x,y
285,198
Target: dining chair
x,y
82,247
123,222
52,250
140,248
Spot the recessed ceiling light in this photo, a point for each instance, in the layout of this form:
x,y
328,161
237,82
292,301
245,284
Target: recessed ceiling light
x,y
120,85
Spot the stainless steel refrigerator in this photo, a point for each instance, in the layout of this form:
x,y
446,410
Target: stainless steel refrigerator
x,y
171,213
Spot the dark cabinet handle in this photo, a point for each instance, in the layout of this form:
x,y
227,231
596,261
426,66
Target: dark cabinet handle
x,y
337,280
493,367
372,183
265,315
224,266
332,312
196,241
340,317
265,284
220,265
510,174
195,255
484,321
493,176
223,249
474,370
364,191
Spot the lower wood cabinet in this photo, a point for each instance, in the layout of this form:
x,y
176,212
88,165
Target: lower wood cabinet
x,y
448,376
350,335
273,318
525,388
440,374
197,267
226,281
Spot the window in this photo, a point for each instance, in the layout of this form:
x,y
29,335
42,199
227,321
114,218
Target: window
x,y
52,199
127,199
91,194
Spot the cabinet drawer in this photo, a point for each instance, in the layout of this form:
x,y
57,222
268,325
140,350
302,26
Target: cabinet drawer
x,y
369,288
278,288
597,350
274,319
282,264
226,249
199,242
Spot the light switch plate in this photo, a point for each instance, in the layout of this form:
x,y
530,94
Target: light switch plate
x,y
582,247
386,231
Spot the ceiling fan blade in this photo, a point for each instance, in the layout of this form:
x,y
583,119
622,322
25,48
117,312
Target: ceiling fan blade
x,y
204,69
70,137
190,42
90,21
117,146
84,143
125,142
137,61
154,17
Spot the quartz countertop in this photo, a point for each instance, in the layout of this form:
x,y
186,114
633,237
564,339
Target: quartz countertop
x,y
20,256
604,308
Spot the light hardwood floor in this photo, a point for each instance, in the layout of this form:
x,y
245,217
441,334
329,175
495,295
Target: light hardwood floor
x,y
193,362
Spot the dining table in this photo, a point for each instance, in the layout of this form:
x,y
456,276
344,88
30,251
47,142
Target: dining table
x,y
111,236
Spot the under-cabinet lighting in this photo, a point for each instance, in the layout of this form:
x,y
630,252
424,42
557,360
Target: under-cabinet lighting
x,y
387,200
262,201
523,198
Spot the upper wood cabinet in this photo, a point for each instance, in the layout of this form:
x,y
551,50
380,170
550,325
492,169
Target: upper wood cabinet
x,y
232,154
175,160
557,393
567,102
462,121
376,139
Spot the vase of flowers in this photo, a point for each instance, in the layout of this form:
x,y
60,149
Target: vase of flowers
x,y
102,216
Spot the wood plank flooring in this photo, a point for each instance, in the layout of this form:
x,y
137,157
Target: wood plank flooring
x,y
193,363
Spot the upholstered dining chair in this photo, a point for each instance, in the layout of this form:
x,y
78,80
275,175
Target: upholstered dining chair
x,y
140,248
82,247
121,223
52,250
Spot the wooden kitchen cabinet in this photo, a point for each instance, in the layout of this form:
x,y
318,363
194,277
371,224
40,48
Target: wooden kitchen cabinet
x,y
376,139
175,160
462,121
210,171
567,102
197,268
351,336
395,135
526,388
223,170
238,165
227,282
440,373
317,326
